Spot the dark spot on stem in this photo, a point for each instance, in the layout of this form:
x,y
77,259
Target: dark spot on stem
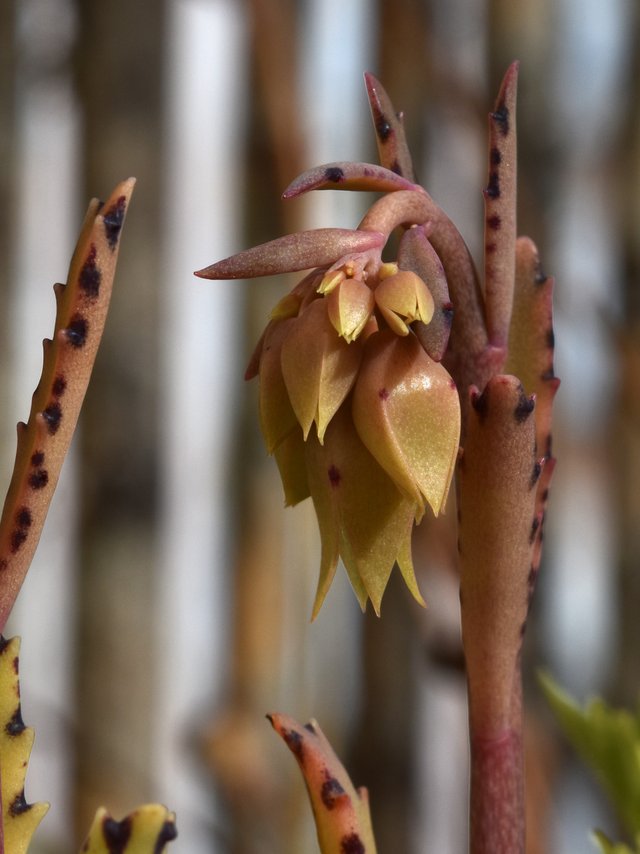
x,y
550,338
39,479
495,157
334,476
490,248
334,174
52,415
59,386
501,118
383,394
331,792
116,834
113,220
19,805
15,724
77,330
90,276
37,458
494,222
351,844
524,407
17,539
23,517
493,187
168,832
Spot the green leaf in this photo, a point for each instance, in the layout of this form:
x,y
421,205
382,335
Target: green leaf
x,y
608,740
608,847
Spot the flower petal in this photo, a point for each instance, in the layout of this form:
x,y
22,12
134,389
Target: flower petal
x,y
349,307
316,248
359,506
407,412
318,366
290,457
402,299
277,418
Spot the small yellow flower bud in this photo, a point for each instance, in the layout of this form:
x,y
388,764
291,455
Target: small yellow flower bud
x,y
403,298
349,307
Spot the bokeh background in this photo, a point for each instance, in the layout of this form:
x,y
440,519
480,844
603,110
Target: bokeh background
x,y
168,607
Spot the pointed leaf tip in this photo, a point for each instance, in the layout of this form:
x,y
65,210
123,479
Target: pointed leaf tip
x,y
302,251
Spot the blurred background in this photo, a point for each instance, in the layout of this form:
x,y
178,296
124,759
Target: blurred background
x,y
168,608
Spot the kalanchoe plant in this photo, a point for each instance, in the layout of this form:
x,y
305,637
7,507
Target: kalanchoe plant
x,y
372,375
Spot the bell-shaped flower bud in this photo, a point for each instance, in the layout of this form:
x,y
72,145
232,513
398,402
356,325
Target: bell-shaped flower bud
x,y
349,307
407,412
277,418
318,366
291,460
402,299
362,516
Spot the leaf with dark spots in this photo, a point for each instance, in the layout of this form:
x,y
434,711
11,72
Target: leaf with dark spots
x,y
495,158
501,117
493,187
168,833
39,479
348,176
59,386
391,140
37,459
340,811
17,539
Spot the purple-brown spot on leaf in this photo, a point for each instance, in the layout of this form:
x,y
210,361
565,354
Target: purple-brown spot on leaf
x,y
17,539
15,724
334,476
495,157
39,479
294,742
90,276
493,187
52,415
383,394
351,844
331,792
501,117
77,330
334,174
116,834
23,517
37,458
59,386
113,219
19,805
524,407
494,222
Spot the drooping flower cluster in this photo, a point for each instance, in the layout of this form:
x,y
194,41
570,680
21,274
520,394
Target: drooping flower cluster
x,y
356,413
355,405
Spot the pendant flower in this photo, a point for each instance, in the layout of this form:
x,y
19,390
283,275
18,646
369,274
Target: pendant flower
x,y
357,413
